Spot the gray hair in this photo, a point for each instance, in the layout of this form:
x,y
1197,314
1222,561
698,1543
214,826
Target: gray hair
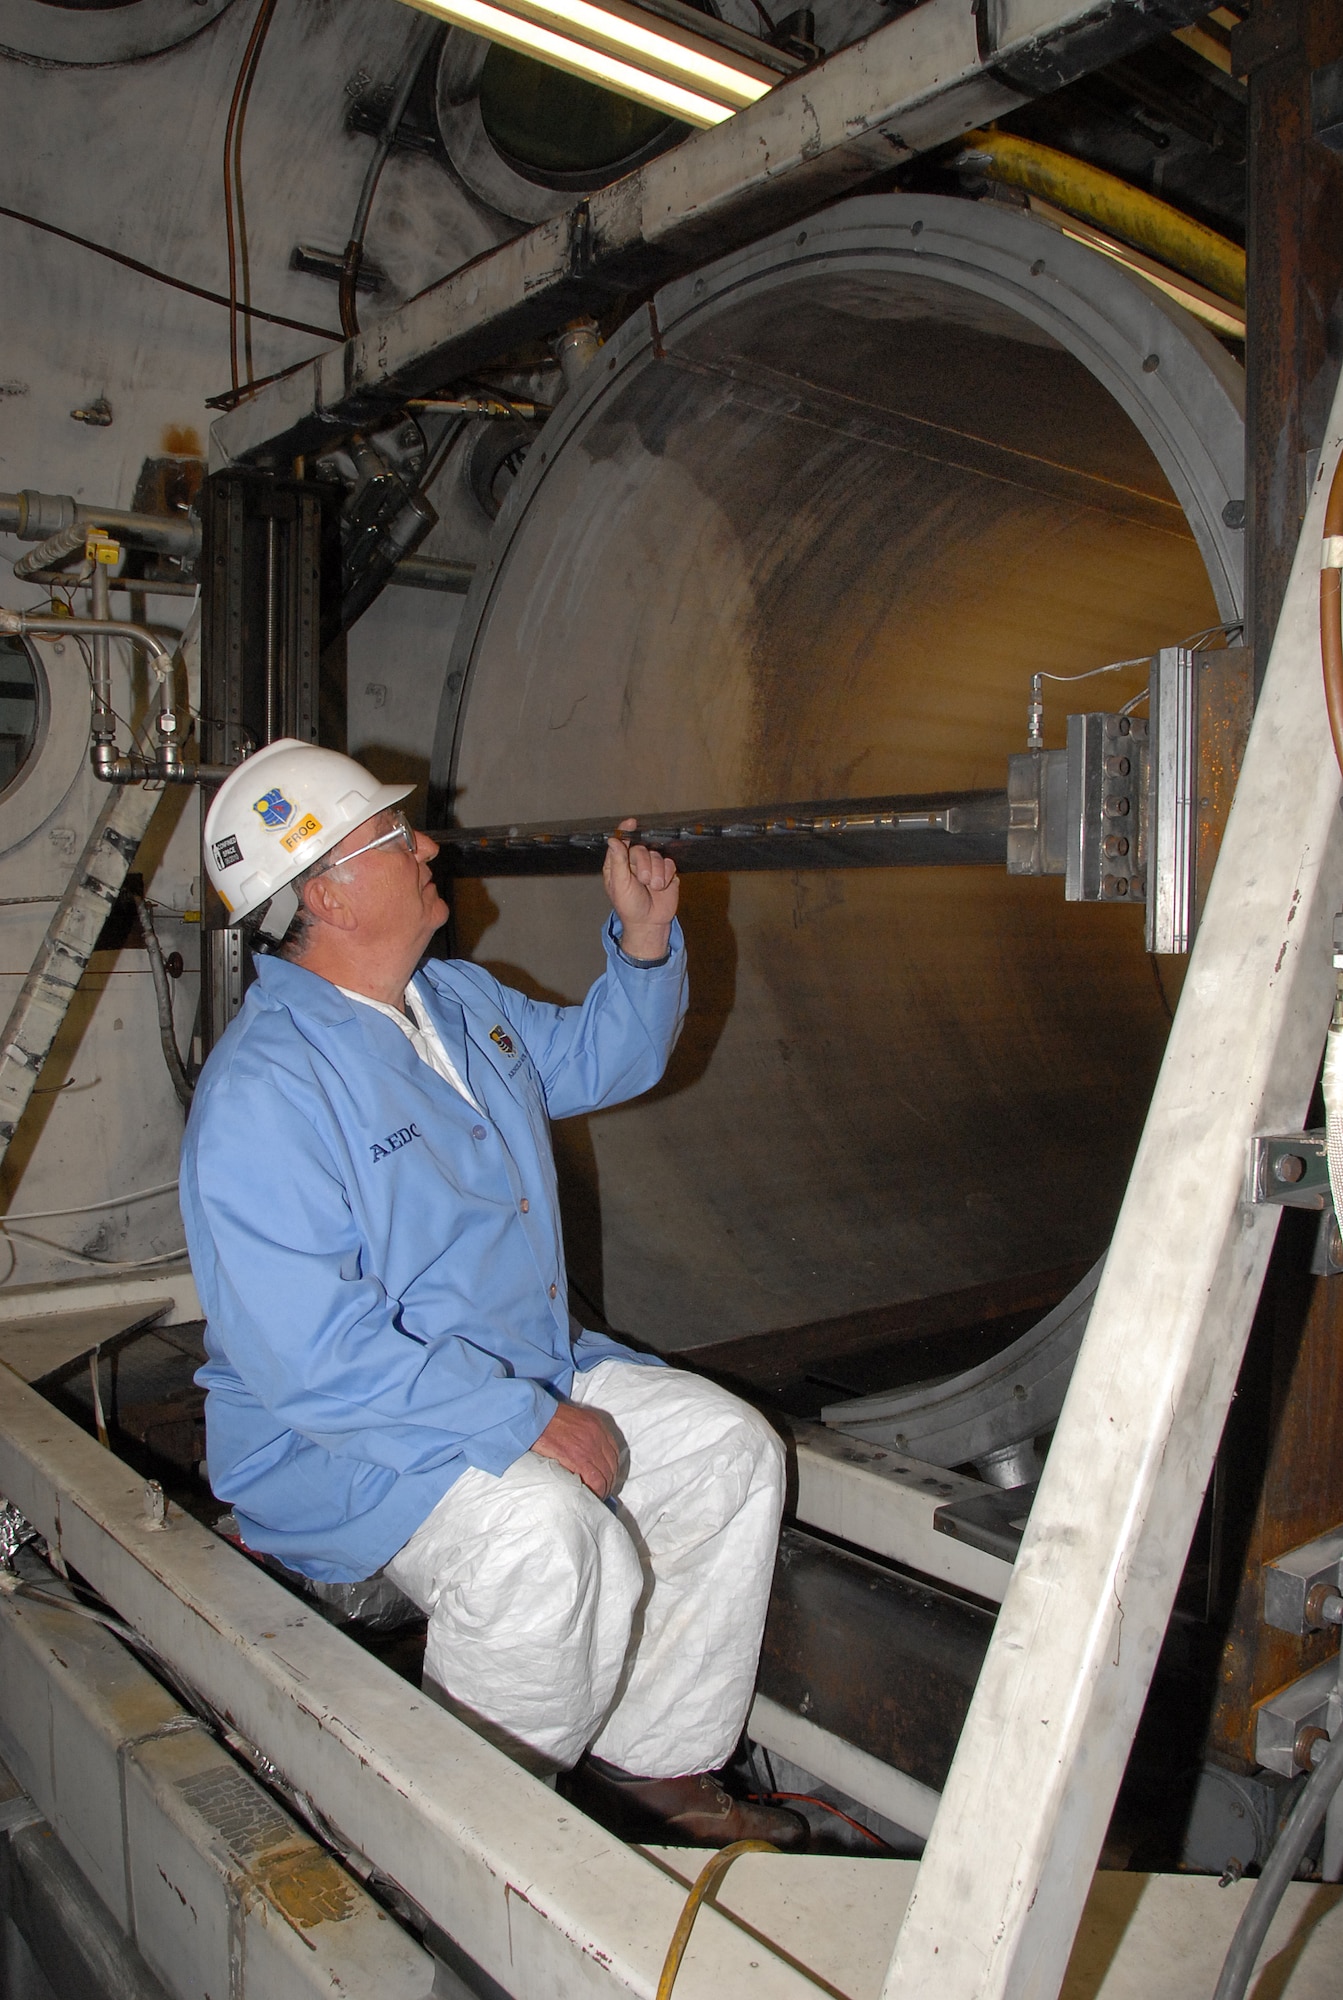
x,y
293,942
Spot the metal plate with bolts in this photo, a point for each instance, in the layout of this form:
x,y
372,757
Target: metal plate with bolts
x,y
1291,1582
1312,1702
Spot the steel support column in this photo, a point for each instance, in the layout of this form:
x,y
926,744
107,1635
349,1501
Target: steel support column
x,y
1053,1717
1295,282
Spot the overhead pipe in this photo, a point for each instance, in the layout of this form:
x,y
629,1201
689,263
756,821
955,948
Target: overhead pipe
x,y
1111,204
58,521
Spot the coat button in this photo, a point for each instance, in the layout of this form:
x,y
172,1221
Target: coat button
x,y
553,1290
524,1205
479,1132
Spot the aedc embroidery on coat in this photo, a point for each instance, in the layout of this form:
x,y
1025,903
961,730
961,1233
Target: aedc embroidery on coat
x,y
394,1141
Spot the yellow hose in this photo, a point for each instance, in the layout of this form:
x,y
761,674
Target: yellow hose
x,y
1108,203
705,1883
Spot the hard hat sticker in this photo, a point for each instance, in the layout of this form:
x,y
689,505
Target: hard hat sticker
x,y
305,830
275,809
227,852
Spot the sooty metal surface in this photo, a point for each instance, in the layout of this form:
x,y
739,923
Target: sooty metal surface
x,y
805,530
884,1662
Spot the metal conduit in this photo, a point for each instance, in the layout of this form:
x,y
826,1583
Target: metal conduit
x,y
805,531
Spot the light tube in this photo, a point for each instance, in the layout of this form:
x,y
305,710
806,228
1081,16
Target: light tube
x,y
653,78
663,49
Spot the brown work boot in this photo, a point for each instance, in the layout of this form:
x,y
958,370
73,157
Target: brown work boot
x,y
696,1809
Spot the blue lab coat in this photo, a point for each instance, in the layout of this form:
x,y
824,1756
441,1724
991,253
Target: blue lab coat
x,y
380,1265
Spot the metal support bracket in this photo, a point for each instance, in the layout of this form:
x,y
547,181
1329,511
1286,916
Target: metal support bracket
x,y
1288,1170
1293,1583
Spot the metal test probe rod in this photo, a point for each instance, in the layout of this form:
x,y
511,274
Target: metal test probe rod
x,y
966,829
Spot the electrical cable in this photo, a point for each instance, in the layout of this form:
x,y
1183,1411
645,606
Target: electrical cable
x,y
234,217
165,278
163,1000
810,1799
396,111
1280,1868
1331,610
710,1875
90,1207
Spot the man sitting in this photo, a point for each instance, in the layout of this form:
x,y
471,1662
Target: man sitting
x,y
394,1378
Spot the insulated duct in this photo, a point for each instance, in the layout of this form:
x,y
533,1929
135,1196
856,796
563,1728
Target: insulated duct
x,y
805,530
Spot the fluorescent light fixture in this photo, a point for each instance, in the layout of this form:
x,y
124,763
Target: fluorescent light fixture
x,y
632,52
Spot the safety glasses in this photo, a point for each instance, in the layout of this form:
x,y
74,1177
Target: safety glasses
x,y
402,831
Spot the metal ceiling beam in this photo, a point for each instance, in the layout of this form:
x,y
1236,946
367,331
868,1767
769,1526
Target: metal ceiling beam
x,y
914,84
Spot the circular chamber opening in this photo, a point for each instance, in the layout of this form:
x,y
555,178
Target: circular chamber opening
x,y
561,130
812,544
19,710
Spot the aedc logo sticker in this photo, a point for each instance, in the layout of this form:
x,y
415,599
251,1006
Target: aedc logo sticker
x,y
275,809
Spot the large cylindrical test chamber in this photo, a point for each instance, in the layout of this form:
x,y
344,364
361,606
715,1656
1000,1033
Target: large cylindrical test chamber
x,y
805,530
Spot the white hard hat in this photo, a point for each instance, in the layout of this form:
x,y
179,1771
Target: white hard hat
x,y
281,810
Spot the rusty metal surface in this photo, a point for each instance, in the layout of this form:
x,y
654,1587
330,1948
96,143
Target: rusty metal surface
x,y
1225,694
1295,285
1279,1483
887,1088
899,1683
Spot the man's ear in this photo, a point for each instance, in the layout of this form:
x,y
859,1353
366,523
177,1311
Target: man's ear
x,y
326,903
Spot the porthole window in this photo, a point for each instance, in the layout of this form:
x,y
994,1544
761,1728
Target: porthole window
x,y
18,710
561,130
526,138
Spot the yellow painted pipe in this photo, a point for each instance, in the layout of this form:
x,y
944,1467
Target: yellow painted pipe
x,y
1110,204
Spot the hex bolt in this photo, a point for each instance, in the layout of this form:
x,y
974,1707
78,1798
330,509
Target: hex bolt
x,y
1116,808
1114,846
1324,1607
1308,1740
1118,767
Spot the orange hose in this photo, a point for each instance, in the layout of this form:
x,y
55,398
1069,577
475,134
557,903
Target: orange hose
x,y
1331,618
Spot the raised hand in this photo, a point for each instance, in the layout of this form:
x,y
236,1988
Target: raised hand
x,y
644,891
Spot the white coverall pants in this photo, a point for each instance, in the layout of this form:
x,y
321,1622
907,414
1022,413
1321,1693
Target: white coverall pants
x,y
562,1624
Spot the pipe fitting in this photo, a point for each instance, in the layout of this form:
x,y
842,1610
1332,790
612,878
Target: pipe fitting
x,y
1309,1746
576,348
35,517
